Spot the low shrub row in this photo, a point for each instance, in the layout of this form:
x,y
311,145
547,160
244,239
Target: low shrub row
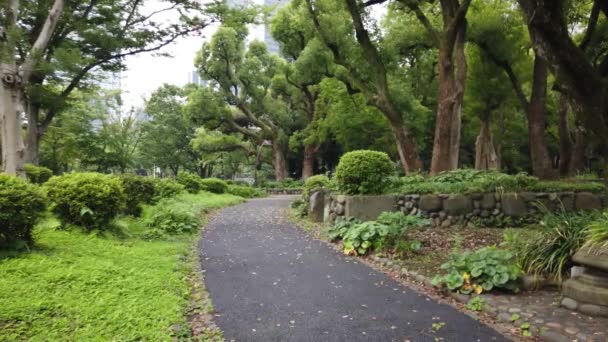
x,y
88,200
195,184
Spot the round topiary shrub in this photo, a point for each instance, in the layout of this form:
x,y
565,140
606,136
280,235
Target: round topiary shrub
x,y
90,200
21,205
244,191
215,185
138,190
166,188
37,174
190,181
363,172
315,182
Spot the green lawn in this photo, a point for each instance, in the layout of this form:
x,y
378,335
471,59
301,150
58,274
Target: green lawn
x,y
79,286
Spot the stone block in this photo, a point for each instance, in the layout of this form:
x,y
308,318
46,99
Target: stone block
x,y
458,205
513,205
316,207
488,201
367,208
430,203
587,201
585,293
595,258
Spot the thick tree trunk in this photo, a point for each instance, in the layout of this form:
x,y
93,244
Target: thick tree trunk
x,y
279,161
13,150
565,138
535,110
485,153
308,164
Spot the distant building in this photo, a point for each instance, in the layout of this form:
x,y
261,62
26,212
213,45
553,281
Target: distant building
x,y
195,78
261,32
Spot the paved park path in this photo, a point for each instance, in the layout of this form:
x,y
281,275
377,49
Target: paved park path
x,y
270,281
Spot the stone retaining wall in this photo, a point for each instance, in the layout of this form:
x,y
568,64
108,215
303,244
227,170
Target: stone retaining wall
x,y
487,209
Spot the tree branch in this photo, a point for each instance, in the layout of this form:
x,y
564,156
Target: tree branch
x,y
42,40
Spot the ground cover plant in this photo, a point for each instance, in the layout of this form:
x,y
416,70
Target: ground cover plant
x,y
75,285
481,270
468,181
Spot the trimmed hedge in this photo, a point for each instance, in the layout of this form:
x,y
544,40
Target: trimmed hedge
x,y
138,190
89,200
215,185
166,188
364,172
191,182
244,191
37,174
21,206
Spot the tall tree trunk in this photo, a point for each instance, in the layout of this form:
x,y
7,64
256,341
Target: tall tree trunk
x,y
535,110
279,161
13,150
308,164
406,145
565,138
452,77
579,151
33,135
485,153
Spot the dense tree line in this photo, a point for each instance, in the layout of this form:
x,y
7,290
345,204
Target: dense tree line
x,y
511,85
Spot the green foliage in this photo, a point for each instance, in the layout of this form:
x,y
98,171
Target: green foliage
x,y
315,182
363,172
360,238
172,218
78,276
215,185
21,206
37,174
564,186
166,188
339,229
245,191
138,190
191,182
482,270
90,200
549,252
287,183
597,232
397,218
475,304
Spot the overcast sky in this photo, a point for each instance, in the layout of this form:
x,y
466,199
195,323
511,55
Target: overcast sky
x,y
147,72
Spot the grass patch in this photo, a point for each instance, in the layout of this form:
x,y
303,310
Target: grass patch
x,y
87,286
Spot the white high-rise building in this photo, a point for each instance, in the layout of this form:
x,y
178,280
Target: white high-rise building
x,y
261,32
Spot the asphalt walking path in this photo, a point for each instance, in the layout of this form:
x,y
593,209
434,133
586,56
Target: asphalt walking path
x,y
269,281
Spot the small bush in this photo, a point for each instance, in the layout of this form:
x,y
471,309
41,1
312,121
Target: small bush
x,y
171,218
138,190
244,191
90,200
37,174
596,233
191,182
364,172
166,188
481,270
21,206
562,186
215,185
549,252
315,182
